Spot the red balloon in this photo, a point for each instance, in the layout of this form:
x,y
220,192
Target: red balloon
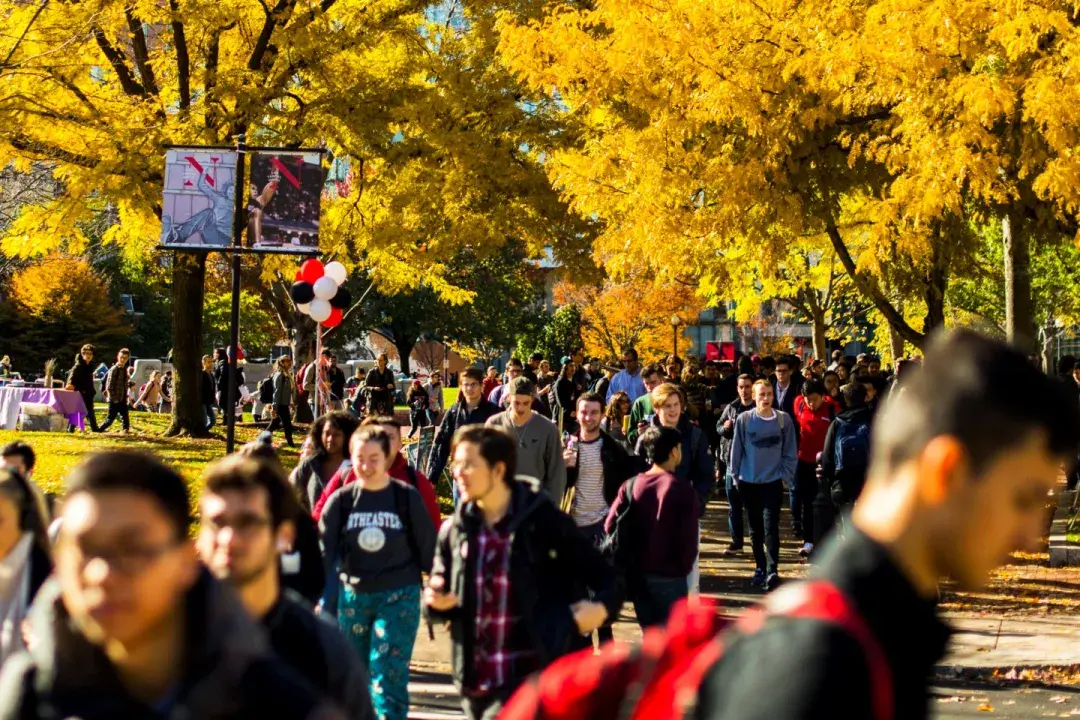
x,y
311,271
298,276
334,320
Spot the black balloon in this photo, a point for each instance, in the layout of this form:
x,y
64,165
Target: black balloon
x,y
342,300
302,292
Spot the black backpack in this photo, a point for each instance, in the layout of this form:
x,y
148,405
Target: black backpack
x,y
617,546
266,390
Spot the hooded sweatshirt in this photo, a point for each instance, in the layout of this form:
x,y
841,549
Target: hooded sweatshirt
x,y
763,449
230,671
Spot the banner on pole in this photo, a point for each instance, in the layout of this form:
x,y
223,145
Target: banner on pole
x,y
199,199
283,200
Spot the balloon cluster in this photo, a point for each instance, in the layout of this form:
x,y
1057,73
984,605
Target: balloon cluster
x,y
317,292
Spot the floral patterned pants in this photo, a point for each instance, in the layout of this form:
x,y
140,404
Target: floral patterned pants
x,y
382,627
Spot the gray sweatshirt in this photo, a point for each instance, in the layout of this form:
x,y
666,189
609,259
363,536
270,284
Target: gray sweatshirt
x,y
763,450
539,453
364,539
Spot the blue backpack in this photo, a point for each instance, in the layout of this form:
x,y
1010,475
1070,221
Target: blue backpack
x,y
852,445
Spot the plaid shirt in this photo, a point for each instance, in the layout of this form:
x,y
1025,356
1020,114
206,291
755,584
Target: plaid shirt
x,y
497,619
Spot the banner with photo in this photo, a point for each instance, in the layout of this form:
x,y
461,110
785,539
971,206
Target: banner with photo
x,y
199,199
283,200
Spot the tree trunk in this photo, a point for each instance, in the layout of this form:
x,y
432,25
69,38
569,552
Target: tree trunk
x,y
1049,362
821,345
188,276
896,346
404,347
937,283
1019,306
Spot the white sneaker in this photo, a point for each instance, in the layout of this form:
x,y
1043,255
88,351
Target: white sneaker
x,y
806,550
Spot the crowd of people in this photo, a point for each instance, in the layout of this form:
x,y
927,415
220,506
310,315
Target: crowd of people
x,y
301,594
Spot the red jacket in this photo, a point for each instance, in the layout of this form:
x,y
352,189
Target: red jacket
x,y
399,471
812,426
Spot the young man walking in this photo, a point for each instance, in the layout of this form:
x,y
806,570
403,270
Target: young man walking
x,y
132,626
962,444
116,392
246,510
763,458
628,380
509,576
596,467
726,428
472,408
539,453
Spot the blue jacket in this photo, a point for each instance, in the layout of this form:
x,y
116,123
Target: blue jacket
x,y
763,451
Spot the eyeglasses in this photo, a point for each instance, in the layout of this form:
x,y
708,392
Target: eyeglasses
x,y
246,524
470,385
126,560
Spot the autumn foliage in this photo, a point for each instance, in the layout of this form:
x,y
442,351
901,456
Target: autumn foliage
x,y
636,312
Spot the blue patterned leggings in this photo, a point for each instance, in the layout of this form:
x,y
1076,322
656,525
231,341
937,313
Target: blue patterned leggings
x,y
382,627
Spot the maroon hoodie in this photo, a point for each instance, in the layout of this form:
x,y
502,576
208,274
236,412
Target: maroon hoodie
x,y
667,509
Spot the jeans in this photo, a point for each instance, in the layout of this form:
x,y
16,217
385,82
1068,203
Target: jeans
x,y
793,502
117,410
282,419
806,485
382,627
735,515
763,511
595,534
654,596
211,417
417,418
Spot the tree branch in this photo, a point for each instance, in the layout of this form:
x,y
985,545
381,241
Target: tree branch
x,y
183,63
142,56
26,30
50,152
871,291
258,53
128,82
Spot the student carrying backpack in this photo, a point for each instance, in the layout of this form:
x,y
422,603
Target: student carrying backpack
x,y
845,456
266,390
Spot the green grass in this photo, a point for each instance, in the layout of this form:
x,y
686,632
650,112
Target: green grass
x,y
58,453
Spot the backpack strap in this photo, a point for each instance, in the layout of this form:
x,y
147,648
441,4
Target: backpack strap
x,y
401,506
822,601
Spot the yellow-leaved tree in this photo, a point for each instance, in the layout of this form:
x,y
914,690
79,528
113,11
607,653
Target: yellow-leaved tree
x,y
440,150
891,127
636,312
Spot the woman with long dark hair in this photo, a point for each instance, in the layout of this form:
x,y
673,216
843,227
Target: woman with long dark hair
x,y
330,435
81,379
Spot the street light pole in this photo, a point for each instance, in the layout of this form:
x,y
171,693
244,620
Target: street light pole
x,y
675,320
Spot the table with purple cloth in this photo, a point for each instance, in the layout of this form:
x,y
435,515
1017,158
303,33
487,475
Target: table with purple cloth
x,y
66,402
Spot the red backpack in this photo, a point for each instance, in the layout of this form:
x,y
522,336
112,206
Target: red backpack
x,y
659,678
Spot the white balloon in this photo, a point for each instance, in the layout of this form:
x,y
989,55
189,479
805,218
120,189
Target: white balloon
x,y
336,272
304,308
319,310
325,288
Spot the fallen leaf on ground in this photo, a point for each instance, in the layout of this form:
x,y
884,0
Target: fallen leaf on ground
x,y
1059,699
953,699
985,707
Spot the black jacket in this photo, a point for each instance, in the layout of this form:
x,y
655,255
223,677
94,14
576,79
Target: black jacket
x,y
231,671
696,466
81,377
617,463
845,485
803,669
731,411
207,388
551,566
457,416
318,652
